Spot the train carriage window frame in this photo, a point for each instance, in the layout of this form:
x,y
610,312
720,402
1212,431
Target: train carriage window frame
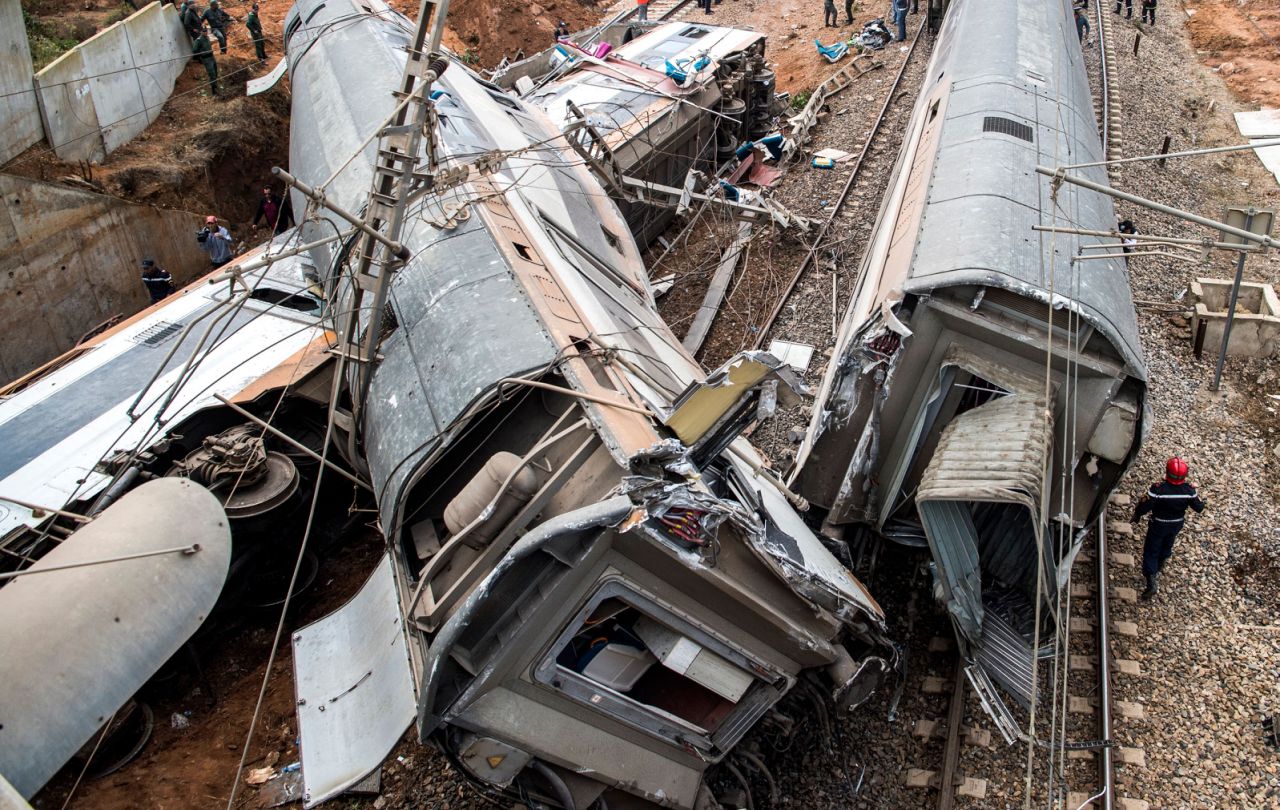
x,y
620,595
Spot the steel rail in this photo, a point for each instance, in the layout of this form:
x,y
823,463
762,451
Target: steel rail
x,y
951,752
820,238
671,12
1106,772
1103,72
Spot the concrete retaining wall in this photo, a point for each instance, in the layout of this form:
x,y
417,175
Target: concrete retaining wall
x,y
19,115
99,95
69,261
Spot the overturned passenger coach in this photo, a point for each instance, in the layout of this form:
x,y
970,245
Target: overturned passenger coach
x,y
593,587
987,390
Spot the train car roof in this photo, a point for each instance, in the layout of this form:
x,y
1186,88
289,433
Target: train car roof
x,y
61,424
1019,101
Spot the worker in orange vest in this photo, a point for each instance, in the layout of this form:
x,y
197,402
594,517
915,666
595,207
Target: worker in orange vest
x,y
642,6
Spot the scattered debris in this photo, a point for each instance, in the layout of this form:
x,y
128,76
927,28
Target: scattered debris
x,y
796,355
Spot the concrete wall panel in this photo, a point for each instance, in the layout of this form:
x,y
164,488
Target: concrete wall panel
x,y
160,52
113,85
66,108
69,260
100,95
19,114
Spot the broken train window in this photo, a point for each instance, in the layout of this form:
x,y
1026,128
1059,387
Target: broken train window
x,y
627,656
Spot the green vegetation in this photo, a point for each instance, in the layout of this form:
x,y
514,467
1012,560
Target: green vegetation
x,y
799,100
47,42
122,12
471,57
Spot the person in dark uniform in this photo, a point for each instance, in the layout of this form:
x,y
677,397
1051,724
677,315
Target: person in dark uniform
x,y
1167,502
830,17
202,49
255,30
157,280
218,21
1128,8
1149,11
848,12
190,19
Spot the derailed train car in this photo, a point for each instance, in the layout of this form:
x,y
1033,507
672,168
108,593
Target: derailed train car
x,y
603,589
593,587
987,390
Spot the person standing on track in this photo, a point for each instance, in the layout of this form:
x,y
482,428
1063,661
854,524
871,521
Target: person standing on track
x,y
1082,23
1149,11
1167,501
706,6
900,8
830,17
1128,5
642,10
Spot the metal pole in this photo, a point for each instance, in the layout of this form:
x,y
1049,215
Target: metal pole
x,y
1104,672
1231,308
1144,237
268,257
1162,156
397,249
1057,174
191,549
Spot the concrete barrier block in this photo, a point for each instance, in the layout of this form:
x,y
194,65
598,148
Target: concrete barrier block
x,y
114,85
1255,331
160,52
109,88
66,109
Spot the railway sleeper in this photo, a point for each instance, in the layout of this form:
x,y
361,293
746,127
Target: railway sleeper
x,y
927,729
967,786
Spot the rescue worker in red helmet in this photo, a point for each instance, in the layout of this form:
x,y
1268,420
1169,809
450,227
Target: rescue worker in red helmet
x,y
1167,501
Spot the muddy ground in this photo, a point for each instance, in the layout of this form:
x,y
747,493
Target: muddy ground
x,y
1240,40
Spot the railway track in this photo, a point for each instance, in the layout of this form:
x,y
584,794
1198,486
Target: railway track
x,y
659,10
1107,98
820,241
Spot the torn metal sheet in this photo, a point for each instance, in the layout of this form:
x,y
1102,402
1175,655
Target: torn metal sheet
x,y
791,549
264,83
703,404
997,453
78,643
354,687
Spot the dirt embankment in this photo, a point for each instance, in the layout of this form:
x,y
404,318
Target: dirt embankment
x,y
1241,41
484,31
212,155
203,154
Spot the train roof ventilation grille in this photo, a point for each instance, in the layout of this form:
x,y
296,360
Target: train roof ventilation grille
x,y
1007,126
157,333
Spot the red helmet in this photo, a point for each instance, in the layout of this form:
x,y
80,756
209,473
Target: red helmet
x,y
1175,470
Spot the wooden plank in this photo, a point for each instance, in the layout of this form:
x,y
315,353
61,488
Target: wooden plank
x,y
715,293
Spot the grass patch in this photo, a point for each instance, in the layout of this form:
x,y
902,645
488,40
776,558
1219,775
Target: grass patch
x,y
47,41
801,99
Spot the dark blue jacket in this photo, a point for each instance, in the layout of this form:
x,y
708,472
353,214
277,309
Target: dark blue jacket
x,y
1168,503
